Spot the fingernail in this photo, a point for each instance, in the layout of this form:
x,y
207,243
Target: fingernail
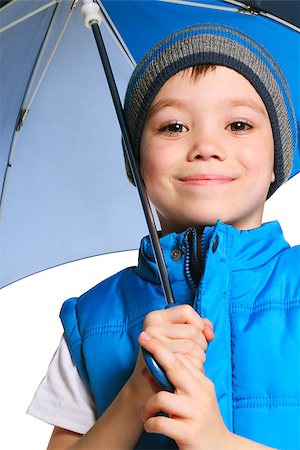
x,y
145,336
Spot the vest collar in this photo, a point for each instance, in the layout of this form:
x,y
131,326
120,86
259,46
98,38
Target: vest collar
x,y
247,249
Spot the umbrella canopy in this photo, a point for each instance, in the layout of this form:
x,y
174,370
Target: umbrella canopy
x,y
65,195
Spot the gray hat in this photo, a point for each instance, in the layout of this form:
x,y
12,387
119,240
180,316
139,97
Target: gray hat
x,y
221,45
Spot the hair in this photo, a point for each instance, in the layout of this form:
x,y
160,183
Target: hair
x,y
198,70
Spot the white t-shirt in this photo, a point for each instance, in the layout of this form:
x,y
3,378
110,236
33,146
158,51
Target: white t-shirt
x,y
62,399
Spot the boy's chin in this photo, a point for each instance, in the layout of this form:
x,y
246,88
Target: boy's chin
x,y
246,223
168,228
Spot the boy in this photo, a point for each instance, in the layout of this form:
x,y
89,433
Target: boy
x,y
213,129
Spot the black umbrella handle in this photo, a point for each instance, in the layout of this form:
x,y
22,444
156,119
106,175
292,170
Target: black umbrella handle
x,y
157,372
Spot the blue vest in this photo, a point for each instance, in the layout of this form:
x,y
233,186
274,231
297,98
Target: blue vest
x,y
250,290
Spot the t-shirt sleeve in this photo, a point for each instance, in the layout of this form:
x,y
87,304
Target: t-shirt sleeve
x,y
62,399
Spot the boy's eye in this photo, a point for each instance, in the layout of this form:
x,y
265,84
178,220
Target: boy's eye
x,y
174,128
239,126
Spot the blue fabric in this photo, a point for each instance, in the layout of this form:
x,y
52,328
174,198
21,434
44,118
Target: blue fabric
x,y
250,290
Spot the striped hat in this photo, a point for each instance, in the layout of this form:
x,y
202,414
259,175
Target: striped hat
x,y
221,45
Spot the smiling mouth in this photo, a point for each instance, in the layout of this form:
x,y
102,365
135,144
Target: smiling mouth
x,y
206,180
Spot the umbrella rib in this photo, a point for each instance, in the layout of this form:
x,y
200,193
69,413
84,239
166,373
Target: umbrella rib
x,y
38,61
24,109
248,9
7,5
115,34
27,16
200,5
242,8
62,32
283,22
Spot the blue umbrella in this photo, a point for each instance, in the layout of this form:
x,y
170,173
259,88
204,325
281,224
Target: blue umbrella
x,y
64,192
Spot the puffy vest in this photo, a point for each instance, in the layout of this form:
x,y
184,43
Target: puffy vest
x,y
249,289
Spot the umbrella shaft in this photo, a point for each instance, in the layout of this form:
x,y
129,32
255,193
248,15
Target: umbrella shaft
x,y
158,254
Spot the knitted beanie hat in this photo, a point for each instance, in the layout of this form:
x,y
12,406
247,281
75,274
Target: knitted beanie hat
x,y
221,45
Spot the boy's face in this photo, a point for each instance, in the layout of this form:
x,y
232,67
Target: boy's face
x,y
207,151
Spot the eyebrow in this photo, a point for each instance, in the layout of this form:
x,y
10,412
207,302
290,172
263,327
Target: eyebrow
x,y
248,102
230,102
167,102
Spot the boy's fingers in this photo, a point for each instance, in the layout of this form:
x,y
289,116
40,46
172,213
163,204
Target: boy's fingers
x,y
176,371
178,339
208,330
186,346
167,426
208,323
208,334
198,363
176,314
177,330
192,365
173,405
185,315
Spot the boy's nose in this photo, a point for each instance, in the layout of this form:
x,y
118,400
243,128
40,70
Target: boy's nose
x,y
205,148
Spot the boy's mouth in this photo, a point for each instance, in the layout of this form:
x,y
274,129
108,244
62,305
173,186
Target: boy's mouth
x,y
206,179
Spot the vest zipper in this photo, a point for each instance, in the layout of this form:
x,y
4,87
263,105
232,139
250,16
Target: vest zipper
x,y
187,248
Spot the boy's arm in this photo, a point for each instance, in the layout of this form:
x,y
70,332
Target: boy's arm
x,y
180,329
119,427
193,417
62,438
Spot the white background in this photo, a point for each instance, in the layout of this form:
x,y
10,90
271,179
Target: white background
x,y
30,329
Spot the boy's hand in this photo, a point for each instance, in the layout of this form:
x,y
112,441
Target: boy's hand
x,y
194,421
181,330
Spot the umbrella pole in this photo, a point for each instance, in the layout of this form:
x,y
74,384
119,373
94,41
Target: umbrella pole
x,y
155,369
90,11
158,254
